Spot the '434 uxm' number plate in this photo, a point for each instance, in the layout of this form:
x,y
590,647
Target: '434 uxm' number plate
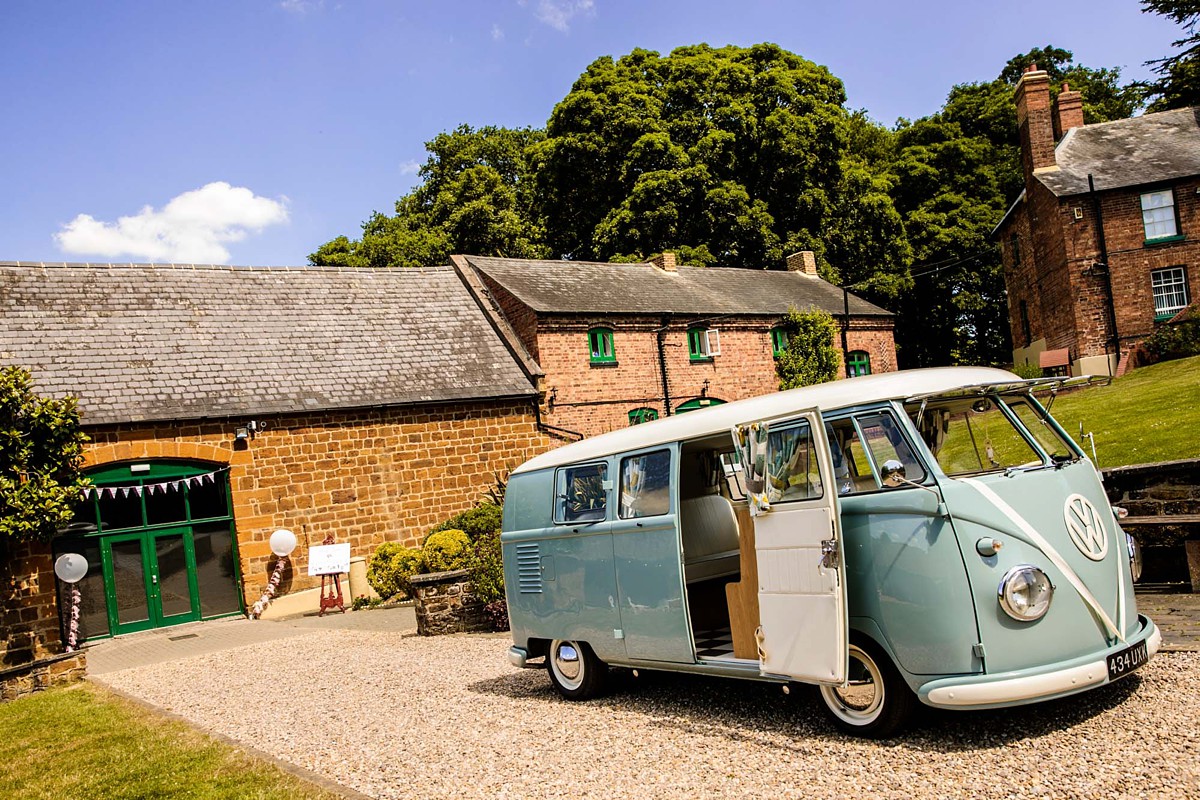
x,y
1126,661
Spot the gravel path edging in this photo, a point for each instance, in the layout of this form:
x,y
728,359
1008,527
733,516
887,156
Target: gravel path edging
x,y
296,771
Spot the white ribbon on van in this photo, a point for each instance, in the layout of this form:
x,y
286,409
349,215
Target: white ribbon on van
x,y
1040,542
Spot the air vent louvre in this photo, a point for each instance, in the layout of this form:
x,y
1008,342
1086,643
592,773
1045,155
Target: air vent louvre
x,y
529,568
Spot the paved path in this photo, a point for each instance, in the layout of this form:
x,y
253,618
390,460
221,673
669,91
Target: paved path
x,y
199,638
1177,616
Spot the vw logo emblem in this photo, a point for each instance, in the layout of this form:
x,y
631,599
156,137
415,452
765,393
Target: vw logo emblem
x,y
1086,527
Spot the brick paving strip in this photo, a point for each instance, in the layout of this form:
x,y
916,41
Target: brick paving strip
x,y
1177,616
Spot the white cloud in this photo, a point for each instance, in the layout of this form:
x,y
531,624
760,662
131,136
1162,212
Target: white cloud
x,y
192,228
410,168
497,33
301,6
559,13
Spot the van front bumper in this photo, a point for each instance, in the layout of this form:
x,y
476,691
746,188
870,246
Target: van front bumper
x,y
1033,685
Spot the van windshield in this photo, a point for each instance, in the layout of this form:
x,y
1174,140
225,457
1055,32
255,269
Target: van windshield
x,y
974,435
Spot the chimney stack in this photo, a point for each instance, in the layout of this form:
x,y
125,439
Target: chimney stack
x,y
1068,111
1034,122
665,262
804,262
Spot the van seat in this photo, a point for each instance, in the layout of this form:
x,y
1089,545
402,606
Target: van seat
x,y
710,538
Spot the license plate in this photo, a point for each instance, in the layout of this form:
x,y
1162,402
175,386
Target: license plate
x,y
1126,661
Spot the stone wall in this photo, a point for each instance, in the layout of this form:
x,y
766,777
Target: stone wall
x,y
445,604
1165,489
362,476
31,647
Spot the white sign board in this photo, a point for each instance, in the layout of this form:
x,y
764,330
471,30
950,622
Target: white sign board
x,y
329,559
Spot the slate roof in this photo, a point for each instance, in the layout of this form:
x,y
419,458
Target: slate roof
x,y
170,342
589,287
1127,152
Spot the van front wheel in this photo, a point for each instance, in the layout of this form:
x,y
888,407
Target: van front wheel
x,y
574,669
876,702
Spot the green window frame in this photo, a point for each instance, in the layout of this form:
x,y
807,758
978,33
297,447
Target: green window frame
x,y
1170,290
703,343
859,362
779,340
639,415
600,344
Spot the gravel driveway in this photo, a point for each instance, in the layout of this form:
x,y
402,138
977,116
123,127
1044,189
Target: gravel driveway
x,y
396,715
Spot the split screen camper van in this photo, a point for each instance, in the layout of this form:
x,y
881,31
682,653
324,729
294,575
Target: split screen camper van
x,y
930,536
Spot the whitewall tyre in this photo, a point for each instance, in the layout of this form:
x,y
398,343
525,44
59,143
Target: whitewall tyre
x,y
574,669
877,702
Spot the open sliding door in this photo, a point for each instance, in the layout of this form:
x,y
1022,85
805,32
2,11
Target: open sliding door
x,y
803,621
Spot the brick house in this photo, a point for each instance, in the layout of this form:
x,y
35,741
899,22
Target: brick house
x,y
224,403
1102,244
617,344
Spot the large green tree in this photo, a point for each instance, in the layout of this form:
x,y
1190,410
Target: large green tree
x,y
955,174
1178,85
41,450
475,196
729,155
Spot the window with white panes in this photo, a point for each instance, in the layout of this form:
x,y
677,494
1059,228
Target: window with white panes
x,y
1170,292
1158,215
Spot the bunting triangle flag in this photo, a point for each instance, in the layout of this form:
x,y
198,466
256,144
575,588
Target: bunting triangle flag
x,y
111,492
211,477
138,490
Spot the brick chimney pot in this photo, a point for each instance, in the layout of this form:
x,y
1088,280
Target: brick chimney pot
x,y
665,262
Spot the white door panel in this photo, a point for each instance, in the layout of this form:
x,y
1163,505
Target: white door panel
x,y
803,623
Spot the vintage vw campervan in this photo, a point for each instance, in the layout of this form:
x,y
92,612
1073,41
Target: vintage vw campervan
x,y
931,535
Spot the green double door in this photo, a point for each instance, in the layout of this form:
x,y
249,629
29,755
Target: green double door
x,y
149,579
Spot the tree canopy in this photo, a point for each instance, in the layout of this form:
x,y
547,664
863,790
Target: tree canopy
x,y
1178,85
41,450
737,157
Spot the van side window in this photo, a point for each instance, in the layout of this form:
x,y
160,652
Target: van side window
x,y
792,470
582,496
887,443
645,485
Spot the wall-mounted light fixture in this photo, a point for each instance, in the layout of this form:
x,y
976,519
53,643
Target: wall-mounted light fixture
x,y
241,434
553,397
704,389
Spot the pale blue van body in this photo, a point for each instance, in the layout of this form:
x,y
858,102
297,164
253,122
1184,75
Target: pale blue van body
x,y
919,581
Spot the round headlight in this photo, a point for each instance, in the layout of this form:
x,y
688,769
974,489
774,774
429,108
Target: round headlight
x,y
1135,558
1025,593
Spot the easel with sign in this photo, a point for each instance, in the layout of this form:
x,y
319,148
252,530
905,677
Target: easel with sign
x,y
329,560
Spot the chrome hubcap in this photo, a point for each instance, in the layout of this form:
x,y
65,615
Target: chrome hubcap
x,y
566,662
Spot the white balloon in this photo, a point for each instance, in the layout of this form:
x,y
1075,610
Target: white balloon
x,y
70,567
283,542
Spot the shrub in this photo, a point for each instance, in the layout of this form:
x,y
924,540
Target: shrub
x,y
392,566
446,550
487,568
1027,370
1176,339
475,522
810,356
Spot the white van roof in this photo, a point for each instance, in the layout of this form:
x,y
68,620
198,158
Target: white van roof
x,y
722,418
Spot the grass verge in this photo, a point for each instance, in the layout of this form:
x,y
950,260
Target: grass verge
x,y
1151,414
85,742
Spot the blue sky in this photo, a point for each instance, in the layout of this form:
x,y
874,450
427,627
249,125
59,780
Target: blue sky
x,y
250,132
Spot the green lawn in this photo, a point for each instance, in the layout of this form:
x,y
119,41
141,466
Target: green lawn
x,y
84,742
1151,414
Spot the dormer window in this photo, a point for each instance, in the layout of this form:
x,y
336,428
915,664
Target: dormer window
x,y
600,340
1158,215
703,343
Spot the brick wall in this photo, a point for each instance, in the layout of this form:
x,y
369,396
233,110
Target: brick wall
x,y
31,647
1067,300
596,398
364,476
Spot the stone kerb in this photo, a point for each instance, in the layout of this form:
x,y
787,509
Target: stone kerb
x,y
445,604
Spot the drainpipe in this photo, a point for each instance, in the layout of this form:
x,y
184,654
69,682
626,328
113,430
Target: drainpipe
x,y
662,362
846,330
1114,339
544,428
